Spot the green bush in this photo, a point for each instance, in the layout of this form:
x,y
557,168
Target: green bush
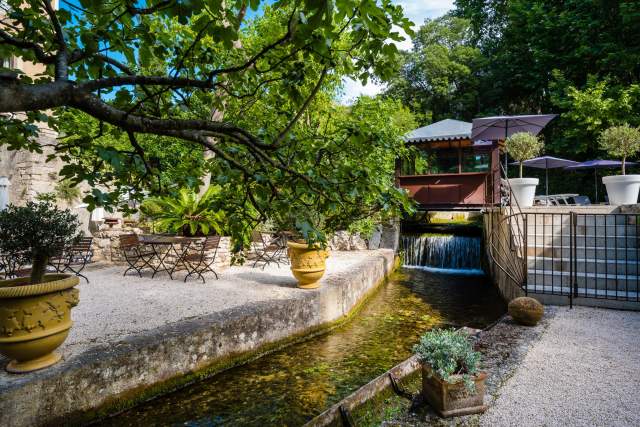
x,y
621,141
524,146
39,230
449,352
186,212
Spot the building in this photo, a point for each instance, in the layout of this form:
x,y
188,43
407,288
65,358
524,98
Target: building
x,y
448,170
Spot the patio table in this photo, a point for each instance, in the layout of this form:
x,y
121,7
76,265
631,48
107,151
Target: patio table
x,y
164,246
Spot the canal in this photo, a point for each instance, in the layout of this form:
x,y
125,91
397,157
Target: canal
x,y
291,386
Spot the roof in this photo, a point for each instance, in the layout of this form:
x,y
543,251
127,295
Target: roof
x,y
443,130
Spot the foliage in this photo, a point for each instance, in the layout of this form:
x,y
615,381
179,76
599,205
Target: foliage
x,y
186,212
621,141
438,78
39,230
448,352
67,191
523,146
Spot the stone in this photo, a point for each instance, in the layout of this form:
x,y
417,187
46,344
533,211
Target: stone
x,y
526,311
340,241
358,243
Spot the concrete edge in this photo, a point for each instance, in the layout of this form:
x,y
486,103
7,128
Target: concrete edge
x,y
110,378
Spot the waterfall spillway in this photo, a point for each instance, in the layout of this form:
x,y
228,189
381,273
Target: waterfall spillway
x,y
442,252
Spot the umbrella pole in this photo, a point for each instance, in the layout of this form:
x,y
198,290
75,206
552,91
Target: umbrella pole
x,y
506,155
546,180
595,174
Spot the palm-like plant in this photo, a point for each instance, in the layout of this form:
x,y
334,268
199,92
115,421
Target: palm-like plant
x,y
186,212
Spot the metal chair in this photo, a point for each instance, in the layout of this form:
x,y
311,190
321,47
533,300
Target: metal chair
x,y
267,248
137,255
11,264
199,260
74,258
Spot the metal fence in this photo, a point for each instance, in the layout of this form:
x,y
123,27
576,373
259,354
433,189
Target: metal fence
x,y
582,255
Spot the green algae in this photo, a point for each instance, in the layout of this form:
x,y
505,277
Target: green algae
x,y
290,386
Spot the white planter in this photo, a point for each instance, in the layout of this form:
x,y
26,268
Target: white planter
x,y
524,190
622,189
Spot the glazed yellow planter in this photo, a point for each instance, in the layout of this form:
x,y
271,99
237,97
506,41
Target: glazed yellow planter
x,y
35,320
307,263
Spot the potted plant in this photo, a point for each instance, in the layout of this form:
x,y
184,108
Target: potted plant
x,y
306,247
622,142
35,311
451,381
523,146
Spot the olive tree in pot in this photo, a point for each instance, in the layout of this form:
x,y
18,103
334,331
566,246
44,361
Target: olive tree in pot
x,y
523,146
622,142
451,381
35,311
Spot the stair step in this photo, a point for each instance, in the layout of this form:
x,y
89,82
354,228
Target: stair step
x,y
585,292
589,265
620,282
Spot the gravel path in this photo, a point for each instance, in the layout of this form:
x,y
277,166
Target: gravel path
x,y
584,371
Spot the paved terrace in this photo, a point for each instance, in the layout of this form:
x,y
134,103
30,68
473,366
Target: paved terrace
x,y
133,333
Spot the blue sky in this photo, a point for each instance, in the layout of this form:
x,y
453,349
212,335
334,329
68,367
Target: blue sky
x,y
417,11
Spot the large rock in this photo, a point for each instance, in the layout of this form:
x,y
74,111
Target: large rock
x,y
526,311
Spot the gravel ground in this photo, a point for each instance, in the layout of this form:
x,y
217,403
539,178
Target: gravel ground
x,y
584,371
112,307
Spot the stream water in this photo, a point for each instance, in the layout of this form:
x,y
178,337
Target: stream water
x,y
291,386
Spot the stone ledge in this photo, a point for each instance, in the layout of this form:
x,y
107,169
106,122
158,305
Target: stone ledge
x,y
109,377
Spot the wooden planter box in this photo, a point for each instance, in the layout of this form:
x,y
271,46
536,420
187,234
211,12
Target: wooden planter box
x,y
452,400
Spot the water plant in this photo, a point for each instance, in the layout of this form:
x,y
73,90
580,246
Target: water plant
x,y
449,353
39,230
524,146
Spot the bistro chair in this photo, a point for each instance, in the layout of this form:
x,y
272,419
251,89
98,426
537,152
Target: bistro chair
x,y
137,255
199,260
74,258
12,264
267,248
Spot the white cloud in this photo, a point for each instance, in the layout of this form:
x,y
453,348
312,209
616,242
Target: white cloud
x,y
415,10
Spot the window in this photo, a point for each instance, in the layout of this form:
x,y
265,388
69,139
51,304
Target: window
x,y
445,161
475,161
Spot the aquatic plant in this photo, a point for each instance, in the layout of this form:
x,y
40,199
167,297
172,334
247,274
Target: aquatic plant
x,y
449,353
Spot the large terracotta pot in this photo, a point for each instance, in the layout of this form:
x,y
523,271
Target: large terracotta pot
x,y
35,320
307,263
622,189
452,399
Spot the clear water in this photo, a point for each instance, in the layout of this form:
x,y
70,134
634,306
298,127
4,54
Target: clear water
x,y
441,252
291,386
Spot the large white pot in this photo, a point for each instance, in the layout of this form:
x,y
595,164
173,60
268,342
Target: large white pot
x,y
524,190
622,189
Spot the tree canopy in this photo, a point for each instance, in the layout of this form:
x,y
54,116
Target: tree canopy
x,y
140,90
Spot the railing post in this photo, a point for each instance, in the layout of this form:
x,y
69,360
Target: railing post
x,y
525,255
573,282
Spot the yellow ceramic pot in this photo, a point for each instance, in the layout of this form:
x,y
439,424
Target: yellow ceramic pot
x,y
35,320
307,263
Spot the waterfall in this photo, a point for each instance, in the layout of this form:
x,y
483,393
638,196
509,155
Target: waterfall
x,y
444,252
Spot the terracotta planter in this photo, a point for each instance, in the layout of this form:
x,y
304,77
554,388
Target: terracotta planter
x,y
307,263
453,399
35,320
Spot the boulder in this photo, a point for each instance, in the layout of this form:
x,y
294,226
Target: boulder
x,y
526,311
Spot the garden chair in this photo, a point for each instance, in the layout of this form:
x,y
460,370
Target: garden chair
x,y
137,255
12,264
199,259
74,258
267,248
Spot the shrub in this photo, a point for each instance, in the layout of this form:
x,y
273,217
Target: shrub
x,y
448,352
39,230
524,146
186,212
620,141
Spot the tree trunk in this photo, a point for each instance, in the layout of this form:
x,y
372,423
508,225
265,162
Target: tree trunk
x,y
623,165
520,169
38,268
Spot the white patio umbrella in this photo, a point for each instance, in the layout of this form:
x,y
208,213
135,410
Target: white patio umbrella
x,y
502,127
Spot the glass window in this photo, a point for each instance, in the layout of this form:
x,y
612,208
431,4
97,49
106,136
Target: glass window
x,y
445,161
475,161
418,164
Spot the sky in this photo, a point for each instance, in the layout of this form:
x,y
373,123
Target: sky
x,y
417,11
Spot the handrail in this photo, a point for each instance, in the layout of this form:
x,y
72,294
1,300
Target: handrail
x,y
506,258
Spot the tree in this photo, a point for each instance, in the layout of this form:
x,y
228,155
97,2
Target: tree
x,y
161,68
439,78
621,141
523,146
